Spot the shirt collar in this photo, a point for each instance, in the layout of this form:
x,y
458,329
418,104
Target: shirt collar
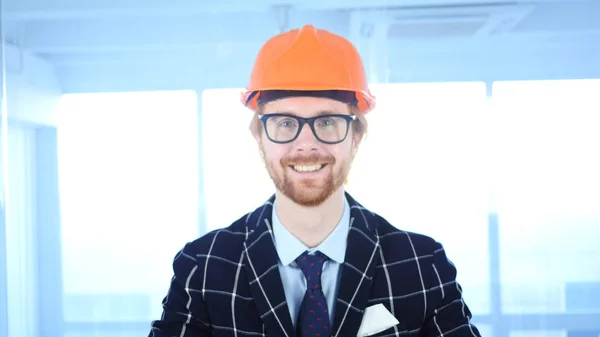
x,y
289,247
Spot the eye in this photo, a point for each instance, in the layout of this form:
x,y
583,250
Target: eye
x,y
326,122
287,123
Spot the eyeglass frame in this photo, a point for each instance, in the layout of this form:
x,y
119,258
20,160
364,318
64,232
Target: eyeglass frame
x,y
311,123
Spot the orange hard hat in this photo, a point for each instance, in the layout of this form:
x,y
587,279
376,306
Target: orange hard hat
x,y
309,60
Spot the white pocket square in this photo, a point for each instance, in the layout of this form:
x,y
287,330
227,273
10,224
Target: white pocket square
x,y
376,319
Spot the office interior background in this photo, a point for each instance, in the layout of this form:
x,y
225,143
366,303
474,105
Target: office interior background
x,y
123,138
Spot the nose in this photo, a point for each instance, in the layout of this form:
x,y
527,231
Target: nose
x,y
306,141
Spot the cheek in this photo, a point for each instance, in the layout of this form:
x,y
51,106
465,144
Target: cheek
x,y
343,152
272,154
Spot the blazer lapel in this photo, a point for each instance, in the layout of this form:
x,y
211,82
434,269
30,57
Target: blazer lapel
x,y
362,255
261,263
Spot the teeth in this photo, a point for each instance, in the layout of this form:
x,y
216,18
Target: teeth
x,y
311,168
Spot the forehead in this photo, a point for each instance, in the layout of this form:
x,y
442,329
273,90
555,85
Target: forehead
x,y
306,106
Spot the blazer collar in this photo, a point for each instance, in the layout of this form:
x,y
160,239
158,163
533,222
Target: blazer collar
x,y
362,255
261,262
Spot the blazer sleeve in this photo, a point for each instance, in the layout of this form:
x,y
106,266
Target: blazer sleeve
x,y
184,313
448,315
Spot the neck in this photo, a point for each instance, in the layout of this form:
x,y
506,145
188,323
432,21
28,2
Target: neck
x,y
311,225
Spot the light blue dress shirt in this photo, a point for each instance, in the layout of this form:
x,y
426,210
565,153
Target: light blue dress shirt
x,y
289,248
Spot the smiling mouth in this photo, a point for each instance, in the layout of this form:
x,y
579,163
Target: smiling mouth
x,y
307,168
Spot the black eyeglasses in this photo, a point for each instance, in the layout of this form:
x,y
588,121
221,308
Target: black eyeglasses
x,y
284,128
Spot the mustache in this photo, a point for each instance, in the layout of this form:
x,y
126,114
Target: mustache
x,y
307,160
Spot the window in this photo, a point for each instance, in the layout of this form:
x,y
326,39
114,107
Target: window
x,y
128,172
547,184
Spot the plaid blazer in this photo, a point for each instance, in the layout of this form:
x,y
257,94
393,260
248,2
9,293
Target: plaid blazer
x,y
227,283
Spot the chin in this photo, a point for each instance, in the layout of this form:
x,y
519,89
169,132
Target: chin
x,y
309,200
309,195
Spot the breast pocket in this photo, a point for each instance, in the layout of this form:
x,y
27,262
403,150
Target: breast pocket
x,y
398,330
378,320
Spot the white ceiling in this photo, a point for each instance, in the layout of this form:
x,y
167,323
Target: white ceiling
x,y
98,40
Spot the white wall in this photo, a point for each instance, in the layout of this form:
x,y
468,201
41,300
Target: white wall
x,y
33,88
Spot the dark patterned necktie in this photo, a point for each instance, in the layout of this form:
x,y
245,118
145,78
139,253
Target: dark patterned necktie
x,y
313,317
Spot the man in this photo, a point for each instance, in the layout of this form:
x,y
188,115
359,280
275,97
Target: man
x,y
311,261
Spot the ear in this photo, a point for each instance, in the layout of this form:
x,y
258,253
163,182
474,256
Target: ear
x,y
257,138
259,147
356,141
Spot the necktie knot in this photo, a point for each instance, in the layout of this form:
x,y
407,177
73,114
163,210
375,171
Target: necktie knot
x,y
312,266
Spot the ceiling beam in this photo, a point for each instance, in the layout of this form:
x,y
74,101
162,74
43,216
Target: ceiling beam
x,y
395,50
150,34
456,65
207,52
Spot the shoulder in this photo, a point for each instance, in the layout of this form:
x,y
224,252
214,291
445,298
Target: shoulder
x,y
393,239
408,253
221,249
401,245
224,243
